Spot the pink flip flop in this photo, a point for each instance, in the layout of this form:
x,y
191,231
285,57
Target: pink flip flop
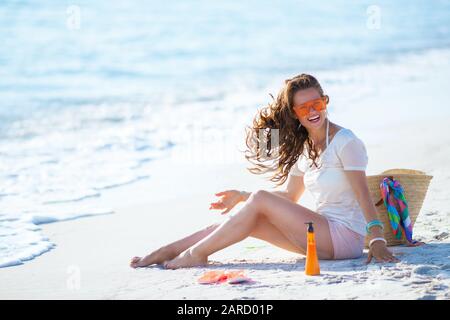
x,y
219,276
235,277
211,277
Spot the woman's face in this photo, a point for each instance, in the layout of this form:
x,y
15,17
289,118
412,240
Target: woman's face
x,y
315,119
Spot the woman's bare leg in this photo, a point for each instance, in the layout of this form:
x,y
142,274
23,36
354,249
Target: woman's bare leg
x,y
288,218
264,230
173,249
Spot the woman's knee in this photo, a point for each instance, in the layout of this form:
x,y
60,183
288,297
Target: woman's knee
x,y
256,198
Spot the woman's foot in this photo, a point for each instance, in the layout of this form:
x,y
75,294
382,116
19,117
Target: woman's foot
x,y
185,260
156,257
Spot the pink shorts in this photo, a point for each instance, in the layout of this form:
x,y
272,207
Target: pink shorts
x,y
347,244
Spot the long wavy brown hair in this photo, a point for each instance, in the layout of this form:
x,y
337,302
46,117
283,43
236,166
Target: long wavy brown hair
x,y
293,138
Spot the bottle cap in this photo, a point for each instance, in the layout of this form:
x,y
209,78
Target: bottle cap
x,y
310,226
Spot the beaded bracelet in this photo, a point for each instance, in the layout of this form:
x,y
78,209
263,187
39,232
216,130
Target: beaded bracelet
x,y
372,224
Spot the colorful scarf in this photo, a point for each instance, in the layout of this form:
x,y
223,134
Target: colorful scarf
x,y
392,193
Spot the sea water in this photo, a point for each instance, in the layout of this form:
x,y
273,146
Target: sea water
x,y
91,93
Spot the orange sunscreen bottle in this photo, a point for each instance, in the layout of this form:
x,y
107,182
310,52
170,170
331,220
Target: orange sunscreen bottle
x,y
312,262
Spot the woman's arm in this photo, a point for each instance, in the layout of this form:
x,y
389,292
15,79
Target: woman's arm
x,y
294,189
358,181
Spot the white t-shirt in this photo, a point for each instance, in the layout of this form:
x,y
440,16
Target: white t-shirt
x,y
329,186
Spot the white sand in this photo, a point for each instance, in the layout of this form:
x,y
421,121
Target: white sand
x,y
91,256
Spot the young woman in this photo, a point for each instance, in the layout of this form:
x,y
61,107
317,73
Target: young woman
x,y
314,154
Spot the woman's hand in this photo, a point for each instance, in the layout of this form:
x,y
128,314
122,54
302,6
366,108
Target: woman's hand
x,y
229,199
381,253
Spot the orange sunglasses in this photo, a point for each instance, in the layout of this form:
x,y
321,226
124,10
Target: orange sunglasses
x,y
318,104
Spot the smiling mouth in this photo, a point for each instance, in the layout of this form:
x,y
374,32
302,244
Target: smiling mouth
x,y
314,119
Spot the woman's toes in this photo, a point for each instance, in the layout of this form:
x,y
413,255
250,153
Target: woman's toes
x,y
171,264
135,261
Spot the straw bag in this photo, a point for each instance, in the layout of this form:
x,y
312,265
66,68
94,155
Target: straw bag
x,y
415,185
